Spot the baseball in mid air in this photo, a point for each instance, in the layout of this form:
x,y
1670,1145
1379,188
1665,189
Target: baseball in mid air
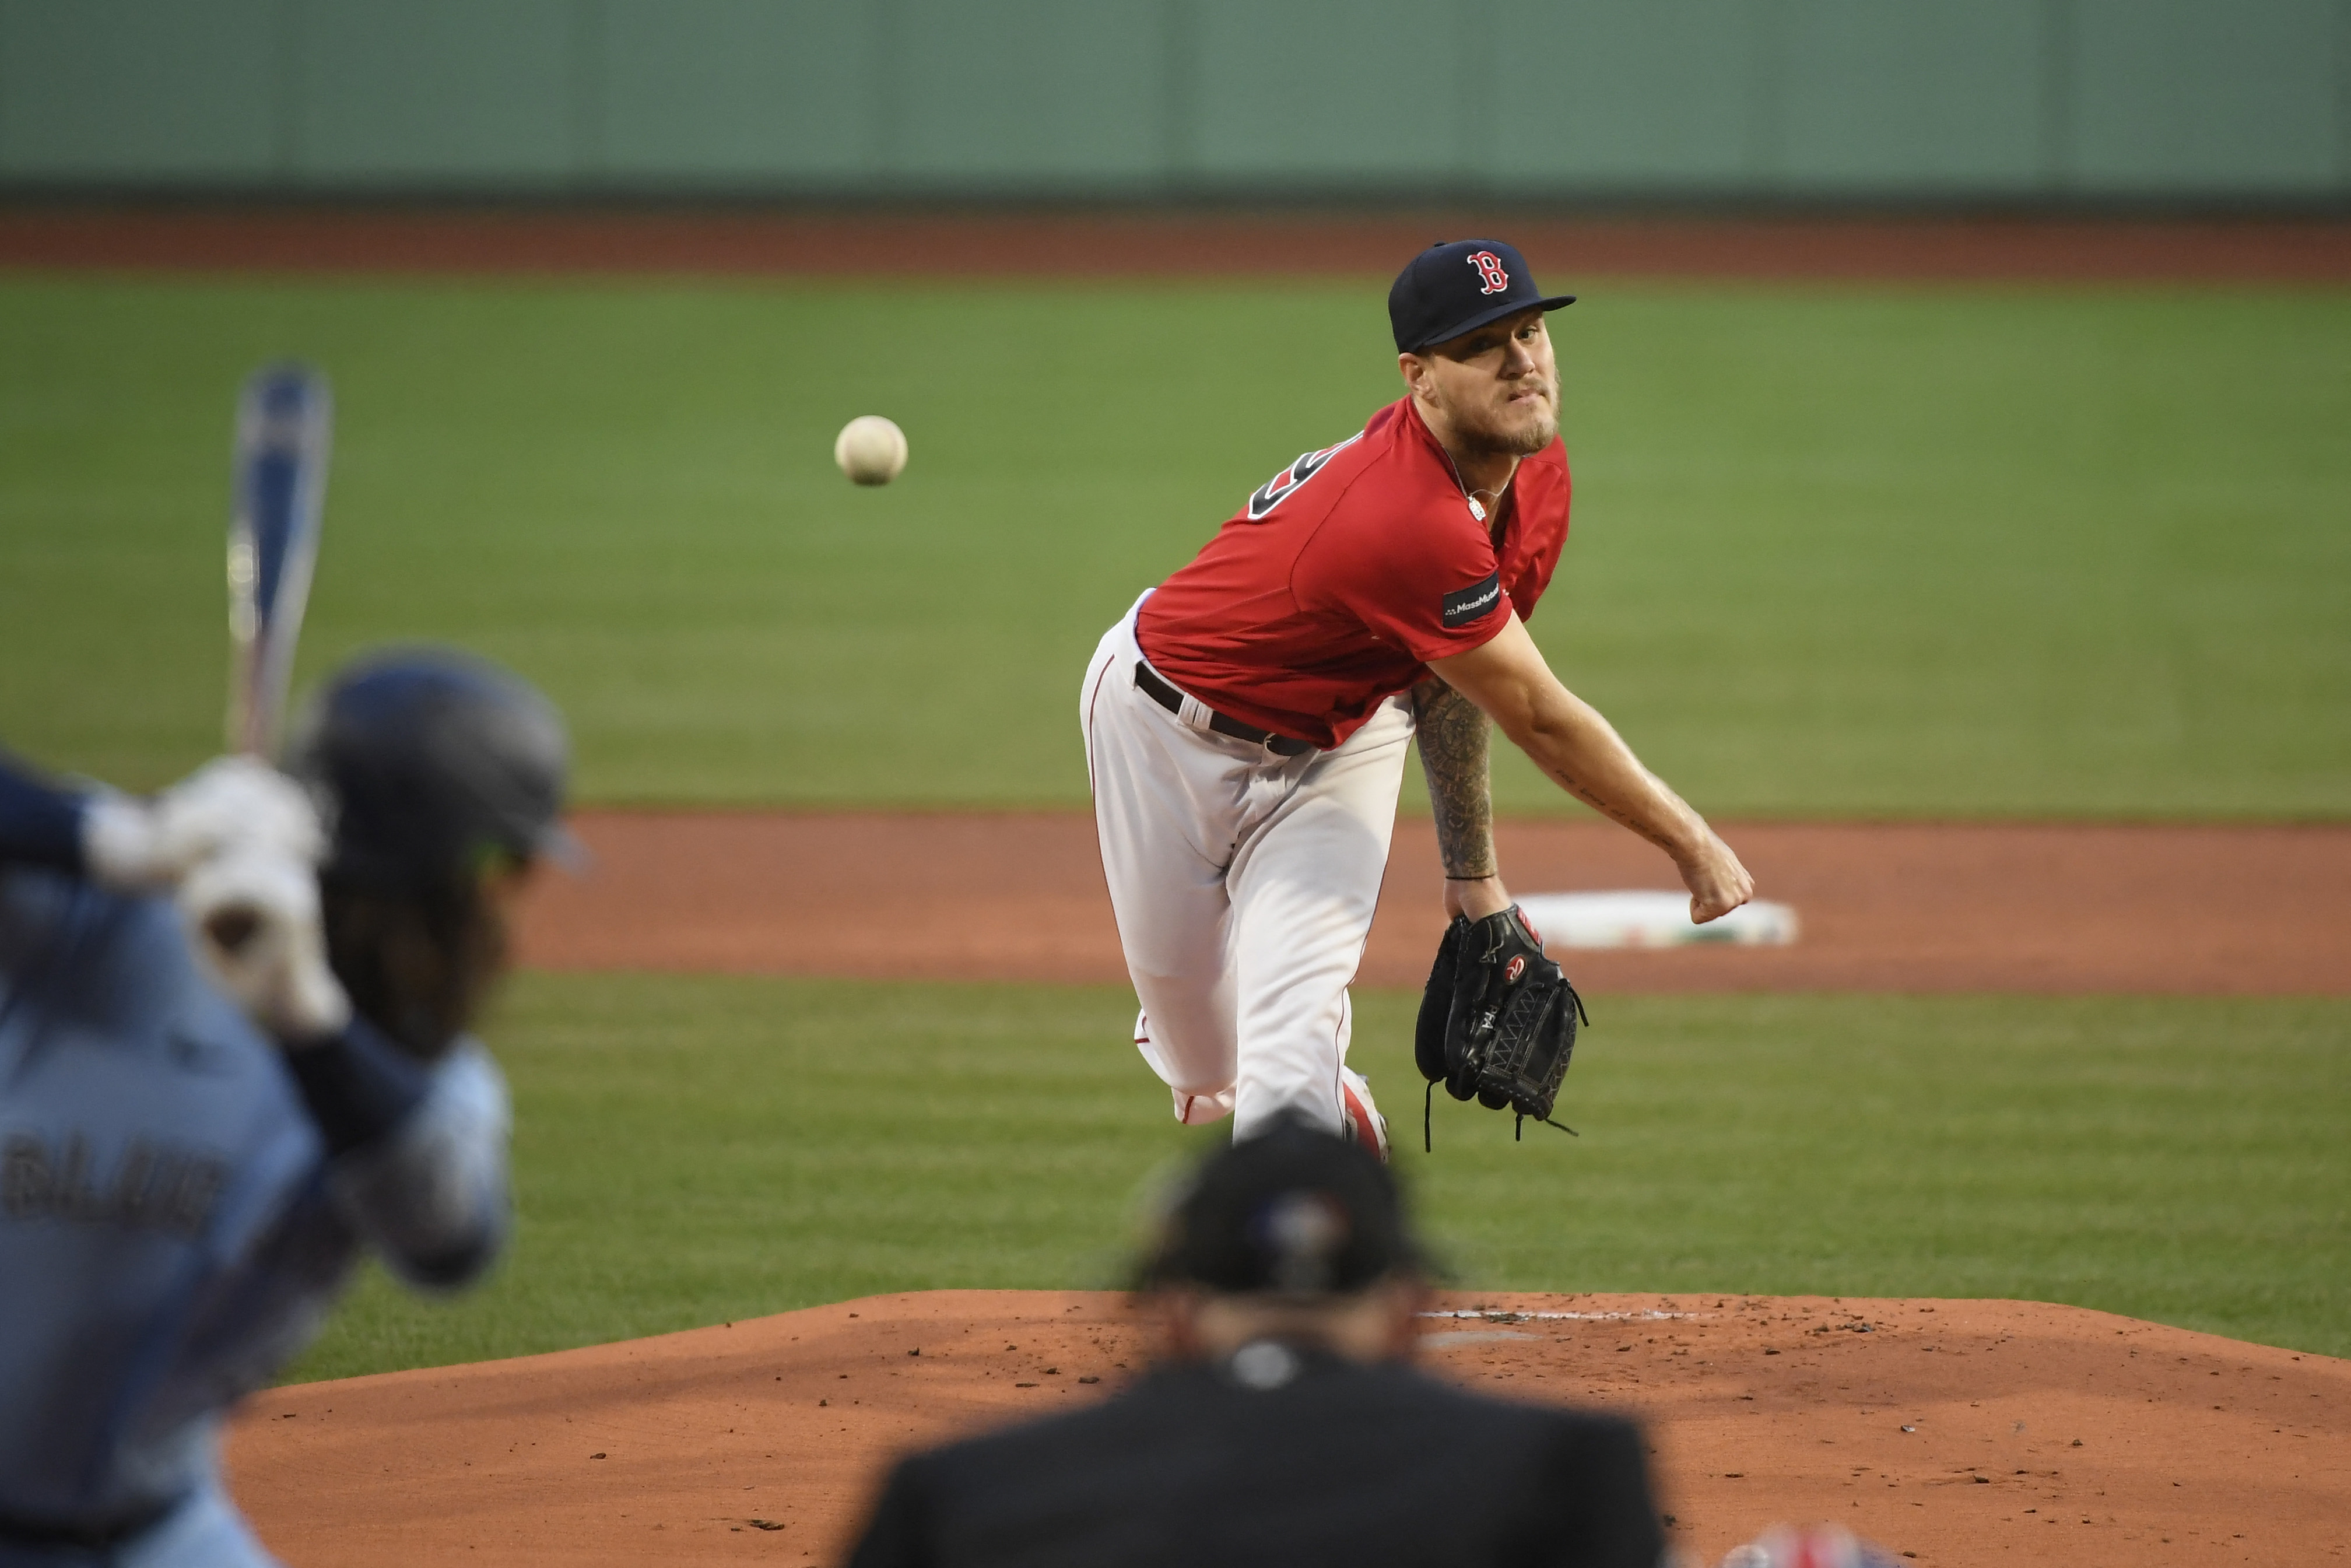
x,y
870,449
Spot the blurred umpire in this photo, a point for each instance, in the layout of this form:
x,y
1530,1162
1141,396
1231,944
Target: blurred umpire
x,y
232,1055
1284,1425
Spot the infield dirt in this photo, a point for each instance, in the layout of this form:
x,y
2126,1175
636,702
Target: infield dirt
x,y
1951,1431
1892,907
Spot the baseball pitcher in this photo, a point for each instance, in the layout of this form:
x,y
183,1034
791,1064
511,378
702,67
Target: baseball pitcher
x,y
1246,725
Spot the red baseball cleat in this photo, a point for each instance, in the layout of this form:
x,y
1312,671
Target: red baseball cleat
x,y
1361,1119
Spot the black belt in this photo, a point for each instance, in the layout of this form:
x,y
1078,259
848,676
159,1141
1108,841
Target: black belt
x,y
1171,699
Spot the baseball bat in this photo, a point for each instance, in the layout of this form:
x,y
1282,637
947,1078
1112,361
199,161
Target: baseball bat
x,y
285,428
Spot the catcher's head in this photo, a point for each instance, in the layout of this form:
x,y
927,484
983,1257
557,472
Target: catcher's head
x,y
442,777
1292,1234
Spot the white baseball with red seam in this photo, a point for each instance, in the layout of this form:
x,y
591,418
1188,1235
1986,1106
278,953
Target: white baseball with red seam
x,y
871,450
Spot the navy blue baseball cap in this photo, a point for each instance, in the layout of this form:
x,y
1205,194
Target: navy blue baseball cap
x,y
1458,287
1290,1210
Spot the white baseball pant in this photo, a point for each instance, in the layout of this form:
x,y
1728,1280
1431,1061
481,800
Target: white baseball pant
x,y
1244,883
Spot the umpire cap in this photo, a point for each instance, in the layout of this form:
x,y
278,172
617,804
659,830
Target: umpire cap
x,y
431,764
1293,1210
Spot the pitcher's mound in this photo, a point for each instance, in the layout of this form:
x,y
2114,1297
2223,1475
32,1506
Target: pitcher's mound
x,y
1961,1432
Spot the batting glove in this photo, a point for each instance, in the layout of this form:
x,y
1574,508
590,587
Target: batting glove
x,y
252,916
230,802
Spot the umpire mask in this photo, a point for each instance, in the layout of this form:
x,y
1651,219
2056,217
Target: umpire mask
x,y
440,777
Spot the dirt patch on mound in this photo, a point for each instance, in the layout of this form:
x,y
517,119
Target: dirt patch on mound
x,y
1961,1432
2210,910
1141,243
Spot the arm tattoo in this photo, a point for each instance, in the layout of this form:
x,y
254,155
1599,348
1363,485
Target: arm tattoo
x,y
1452,731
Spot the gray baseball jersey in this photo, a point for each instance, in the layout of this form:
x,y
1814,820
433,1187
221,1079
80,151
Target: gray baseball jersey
x,y
173,1225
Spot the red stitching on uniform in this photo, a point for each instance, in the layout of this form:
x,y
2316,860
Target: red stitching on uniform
x,y
1339,1073
1366,942
1091,699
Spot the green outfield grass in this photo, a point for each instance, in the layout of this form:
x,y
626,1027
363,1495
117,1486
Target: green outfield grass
x,y
691,1151
1838,552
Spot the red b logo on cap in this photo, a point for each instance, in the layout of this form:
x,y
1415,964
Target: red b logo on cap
x,y
1489,267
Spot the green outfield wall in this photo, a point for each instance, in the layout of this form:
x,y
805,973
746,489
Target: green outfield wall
x,y
2036,101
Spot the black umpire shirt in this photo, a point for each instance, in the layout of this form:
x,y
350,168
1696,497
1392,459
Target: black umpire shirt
x,y
1278,1457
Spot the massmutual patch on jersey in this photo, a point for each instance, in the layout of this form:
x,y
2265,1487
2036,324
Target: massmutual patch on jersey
x,y
1278,488
1464,605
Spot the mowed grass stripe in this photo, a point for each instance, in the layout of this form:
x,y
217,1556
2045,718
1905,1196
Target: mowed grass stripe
x,y
694,1150
1882,551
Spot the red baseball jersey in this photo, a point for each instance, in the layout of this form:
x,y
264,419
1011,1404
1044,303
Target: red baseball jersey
x,y
1330,590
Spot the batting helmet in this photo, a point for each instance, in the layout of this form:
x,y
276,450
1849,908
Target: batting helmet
x,y
431,763
438,774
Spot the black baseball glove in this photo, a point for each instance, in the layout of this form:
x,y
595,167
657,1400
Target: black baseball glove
x,y
1498,1020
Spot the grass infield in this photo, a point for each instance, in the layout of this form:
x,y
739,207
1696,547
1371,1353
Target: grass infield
x,y
1838,550
694,1150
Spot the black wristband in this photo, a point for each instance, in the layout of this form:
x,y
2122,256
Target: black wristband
x,y
358,1085
38,825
